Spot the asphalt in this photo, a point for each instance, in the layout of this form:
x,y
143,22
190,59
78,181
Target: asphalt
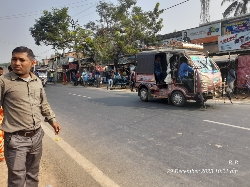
x,y
152,144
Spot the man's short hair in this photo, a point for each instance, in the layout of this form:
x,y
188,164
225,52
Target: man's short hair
x,y
183,59
1,68
23,49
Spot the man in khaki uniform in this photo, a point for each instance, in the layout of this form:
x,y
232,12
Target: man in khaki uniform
x,y
24,103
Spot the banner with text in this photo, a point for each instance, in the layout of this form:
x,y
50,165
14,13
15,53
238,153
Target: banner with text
x,y
238,26
203,34
234,41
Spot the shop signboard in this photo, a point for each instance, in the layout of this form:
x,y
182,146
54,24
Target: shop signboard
x,y
238,26
71,59
234,41
72,66
204,34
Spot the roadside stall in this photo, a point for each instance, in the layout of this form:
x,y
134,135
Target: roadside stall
x,y
238,43
243,69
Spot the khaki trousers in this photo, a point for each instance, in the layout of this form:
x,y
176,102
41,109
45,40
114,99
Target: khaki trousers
x,y
23,155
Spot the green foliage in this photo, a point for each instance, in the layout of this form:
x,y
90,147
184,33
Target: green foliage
x,y
238,7
122,28
52,29
4,64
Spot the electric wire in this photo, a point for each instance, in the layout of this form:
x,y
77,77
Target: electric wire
x,y
176,5
40,11
85,10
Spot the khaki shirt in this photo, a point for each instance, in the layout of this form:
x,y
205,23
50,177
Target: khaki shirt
x,y
24,103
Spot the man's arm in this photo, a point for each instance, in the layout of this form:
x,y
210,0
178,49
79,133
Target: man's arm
x,y
188,68
48,113
1,92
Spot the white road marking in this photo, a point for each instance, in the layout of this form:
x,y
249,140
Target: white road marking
x,y
74,94
84,96
69,93
90,168
89,97
225,124
79,95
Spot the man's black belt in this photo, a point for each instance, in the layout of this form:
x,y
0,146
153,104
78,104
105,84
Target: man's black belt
x,y
26,133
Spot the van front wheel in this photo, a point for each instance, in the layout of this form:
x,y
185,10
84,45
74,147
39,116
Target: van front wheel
x,y
178,99
144,94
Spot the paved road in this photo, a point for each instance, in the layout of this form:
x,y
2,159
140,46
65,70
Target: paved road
x,y
114,138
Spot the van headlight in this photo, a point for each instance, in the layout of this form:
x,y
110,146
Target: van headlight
x,y
205,79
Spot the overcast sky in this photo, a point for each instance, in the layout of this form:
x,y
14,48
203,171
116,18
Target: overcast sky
x,y
16,17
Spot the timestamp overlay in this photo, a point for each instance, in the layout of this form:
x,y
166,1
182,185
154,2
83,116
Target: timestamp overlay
x,y
204,171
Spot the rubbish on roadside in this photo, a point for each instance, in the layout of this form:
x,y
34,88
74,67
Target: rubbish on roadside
x,y
57,139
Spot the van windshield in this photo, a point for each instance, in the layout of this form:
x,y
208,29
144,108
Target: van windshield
x,y
205,64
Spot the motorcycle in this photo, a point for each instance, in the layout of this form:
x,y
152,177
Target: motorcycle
x,y
91,82
44,80
76,82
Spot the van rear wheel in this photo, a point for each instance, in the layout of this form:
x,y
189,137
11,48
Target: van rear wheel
x,y
144,94
178,99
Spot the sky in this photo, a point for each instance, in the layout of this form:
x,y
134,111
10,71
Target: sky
x,y
16,17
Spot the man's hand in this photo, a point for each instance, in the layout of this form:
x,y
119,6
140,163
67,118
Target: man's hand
x,y
56,127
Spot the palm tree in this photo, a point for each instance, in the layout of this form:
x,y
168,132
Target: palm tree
x,y
239,7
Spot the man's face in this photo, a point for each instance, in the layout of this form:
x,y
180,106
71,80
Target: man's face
x,y
22,64
1,72
158,59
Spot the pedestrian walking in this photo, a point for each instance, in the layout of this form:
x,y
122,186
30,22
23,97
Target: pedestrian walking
x,y
97,78
231,76
109,77
85,77
24,101
132,80
51,76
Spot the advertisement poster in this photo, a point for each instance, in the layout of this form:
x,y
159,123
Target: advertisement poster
x,y
203,34
234,41
171,41
238,26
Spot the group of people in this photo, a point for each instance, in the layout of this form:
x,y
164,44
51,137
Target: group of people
x,y
111,75
183,73
23,101
85,76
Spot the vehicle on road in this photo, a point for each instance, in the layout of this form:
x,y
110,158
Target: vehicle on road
x,y
206,77
42,73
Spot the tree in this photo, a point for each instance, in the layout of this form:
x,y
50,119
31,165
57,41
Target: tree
x,y
80,40
53,29
238,7
122,28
